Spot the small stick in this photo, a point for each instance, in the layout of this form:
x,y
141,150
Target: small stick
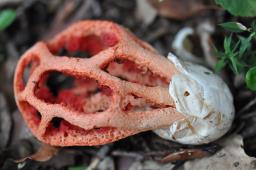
x,y
103,151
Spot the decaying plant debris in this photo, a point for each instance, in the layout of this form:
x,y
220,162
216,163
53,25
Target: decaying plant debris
x,y
40,20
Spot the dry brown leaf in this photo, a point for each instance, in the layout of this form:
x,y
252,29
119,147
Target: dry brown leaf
x,y
59,21
232,156
187,154
5,122
145,12
44,153
179,9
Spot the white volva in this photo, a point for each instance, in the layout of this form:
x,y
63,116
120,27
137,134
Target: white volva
x,y
204,99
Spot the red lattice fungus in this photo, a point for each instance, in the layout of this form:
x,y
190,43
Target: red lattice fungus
x,y
93,84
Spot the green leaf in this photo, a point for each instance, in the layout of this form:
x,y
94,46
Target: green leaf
x,y
236,46
235,64
245,44
251,59
7,16
233,26
243,8
77,168
220,54
250,78
253,25
227,44
220,65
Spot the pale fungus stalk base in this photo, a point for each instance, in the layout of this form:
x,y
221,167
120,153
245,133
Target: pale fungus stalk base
x,y
204,99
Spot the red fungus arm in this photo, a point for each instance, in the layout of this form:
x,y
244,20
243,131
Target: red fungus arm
x,y
117,88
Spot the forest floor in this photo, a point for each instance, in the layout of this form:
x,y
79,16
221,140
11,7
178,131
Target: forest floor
x,y
40,20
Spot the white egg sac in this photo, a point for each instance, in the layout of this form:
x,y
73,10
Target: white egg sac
x,y
204,99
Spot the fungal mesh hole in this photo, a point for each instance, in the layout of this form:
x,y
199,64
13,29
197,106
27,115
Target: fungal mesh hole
x,y
57,81
78,93
56,121
75,54
130,71
58,125
30,113
59,129
84,47
133,103
30,65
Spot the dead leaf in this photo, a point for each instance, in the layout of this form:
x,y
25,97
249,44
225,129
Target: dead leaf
x,y
5,122
187,154
204,30
66,157
9,2
232,156
145,12
45,153
180,9
60,20
19,130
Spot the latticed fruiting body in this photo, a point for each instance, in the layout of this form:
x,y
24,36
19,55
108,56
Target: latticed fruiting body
x,y
116,87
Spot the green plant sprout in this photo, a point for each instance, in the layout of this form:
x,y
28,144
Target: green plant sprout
x,y
237,52
7,17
